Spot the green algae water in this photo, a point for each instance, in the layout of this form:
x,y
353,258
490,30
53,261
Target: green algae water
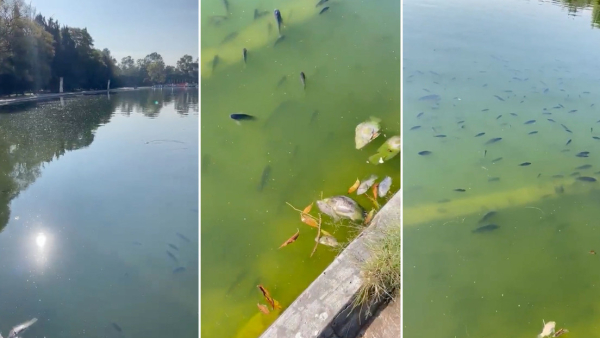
x,y
94,190
524,73
351,57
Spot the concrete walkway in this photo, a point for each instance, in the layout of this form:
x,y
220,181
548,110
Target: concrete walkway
x,y
386,323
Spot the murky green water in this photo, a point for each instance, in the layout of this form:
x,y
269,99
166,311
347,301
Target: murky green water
x,y
92,194
495,66
350,55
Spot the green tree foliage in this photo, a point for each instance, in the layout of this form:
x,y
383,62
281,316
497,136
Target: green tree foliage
x,y
36,52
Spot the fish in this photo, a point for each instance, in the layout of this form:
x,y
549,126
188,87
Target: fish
x,y
494,140
245,54
241,117
338,207
573,111
178,270
328,240
585,166
172,256
493,179
551,120
486,109
278,20
499,116
575,174
459,190
117,327
568,142
415,127
548,330
263,308
546,90
226,4
303,80
237,281
486,228
524,164
586,179
484,152
529,122
313,117
497,160
229,37
321,2
291,239
366,184
215,62
366,132
432,97
420,114
281,81
424,152
264,178
596,137
279,39
174,246
441,135
384,186
498,97
17,330
183,237
480,134
487,216
324,10
354,186
532,132
258,14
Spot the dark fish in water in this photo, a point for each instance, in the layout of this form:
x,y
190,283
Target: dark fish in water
x,y
264,178
568,131
573,111
497,160
480,134
582,155
493,179
174,246
303,80
524,164
215,62
229,37
586,179
486,228
279,39
420,114
494,140
323,10
539,175
245,54
532,132
499,116
415,127
596,137
486,109
240,117
530,122
281,81
546,90
178,270
237,281
551,120
484,85
172,256
547,114
183,237
498,97
484,153
432,97
441,135
117,327
321,2
513,114
585,166
559,189
564,127
278,20
313,117
459,122
577,173
487,216
568,142
460,190
258,14
424,152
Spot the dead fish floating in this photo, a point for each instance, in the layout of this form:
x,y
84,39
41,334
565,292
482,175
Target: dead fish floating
x,y
17,330
338,207
384,186
328,240
366,184
366,132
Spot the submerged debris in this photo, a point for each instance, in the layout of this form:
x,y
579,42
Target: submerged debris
x,y
367,132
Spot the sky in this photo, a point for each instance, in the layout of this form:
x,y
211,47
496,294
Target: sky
x,y
132,27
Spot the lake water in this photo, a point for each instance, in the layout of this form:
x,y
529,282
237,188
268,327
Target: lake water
x,y
351,57
496,66
93,191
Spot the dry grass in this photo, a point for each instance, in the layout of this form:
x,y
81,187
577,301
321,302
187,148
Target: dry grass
x,y
381,272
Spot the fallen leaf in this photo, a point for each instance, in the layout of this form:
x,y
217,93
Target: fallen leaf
x,y
375,186
291,239
592,252
307,209
354,186
263,308
308,220
325,233
370,216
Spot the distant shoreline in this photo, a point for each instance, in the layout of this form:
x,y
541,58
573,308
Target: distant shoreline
x,y
42,97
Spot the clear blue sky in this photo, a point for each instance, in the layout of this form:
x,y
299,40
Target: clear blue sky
x,y
132,27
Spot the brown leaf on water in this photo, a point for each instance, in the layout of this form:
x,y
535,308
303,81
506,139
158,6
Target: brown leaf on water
x,y
263,308
307,209
276,304
354,186
325,233
369,217
291,239
308,220
375,186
